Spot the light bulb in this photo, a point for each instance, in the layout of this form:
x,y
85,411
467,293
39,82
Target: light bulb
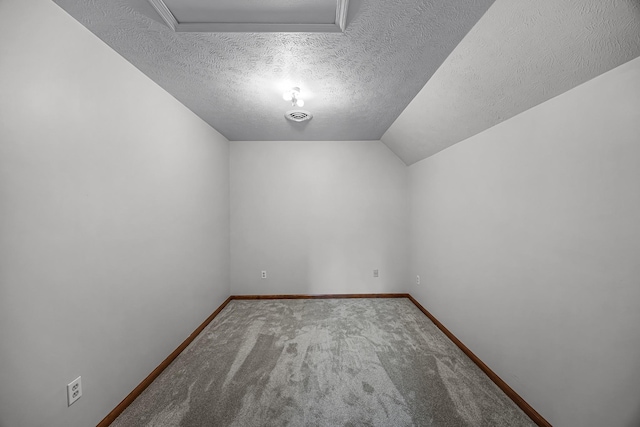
x,y
300,103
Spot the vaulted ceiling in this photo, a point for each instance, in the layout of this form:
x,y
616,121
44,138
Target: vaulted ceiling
x,y
419,75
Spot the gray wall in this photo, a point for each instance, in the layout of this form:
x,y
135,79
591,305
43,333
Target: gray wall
x,y
114,220
319,217
527,241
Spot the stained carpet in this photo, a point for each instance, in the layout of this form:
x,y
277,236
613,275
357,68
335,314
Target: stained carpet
x,y
333,362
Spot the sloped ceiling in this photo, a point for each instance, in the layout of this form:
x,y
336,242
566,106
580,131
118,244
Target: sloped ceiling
x,y
520,54
361,84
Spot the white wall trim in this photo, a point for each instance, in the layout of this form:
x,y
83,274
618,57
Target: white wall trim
x,y
342,7
165,13
241,27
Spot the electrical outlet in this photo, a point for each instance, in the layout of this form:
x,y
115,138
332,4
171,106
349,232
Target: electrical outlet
x,y
375,273
74,390
417,280
264,274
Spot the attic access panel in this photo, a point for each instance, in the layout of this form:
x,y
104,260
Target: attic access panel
x,y
253,16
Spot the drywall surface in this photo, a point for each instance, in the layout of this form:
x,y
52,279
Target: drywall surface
x,y
319,217
520,54
114,220
527,241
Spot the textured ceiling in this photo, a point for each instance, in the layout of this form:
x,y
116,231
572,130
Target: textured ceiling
x,y
357,83
354,83
520,54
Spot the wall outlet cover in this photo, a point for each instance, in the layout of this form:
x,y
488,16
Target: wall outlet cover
x,y
74,391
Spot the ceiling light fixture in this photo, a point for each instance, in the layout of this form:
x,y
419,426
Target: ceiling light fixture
x,y
294,96
297,114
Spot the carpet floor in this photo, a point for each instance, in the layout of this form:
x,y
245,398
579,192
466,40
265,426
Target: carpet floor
x,y
322,362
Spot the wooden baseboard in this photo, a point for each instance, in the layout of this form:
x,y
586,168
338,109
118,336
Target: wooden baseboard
x,y
156,372
526,408
320,296
511,393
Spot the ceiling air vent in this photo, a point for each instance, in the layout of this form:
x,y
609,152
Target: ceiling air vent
x,y
298,115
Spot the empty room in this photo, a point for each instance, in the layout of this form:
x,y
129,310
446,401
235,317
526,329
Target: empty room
x,y
319,213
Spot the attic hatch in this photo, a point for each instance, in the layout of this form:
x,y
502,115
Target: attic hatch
x,y
206,16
